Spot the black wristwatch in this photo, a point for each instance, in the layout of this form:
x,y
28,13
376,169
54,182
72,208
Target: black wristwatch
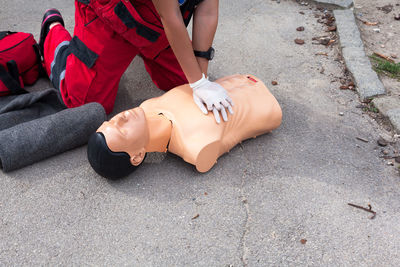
x,y
208,54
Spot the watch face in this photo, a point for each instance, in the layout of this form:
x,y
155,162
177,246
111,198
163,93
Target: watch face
x,y
212,52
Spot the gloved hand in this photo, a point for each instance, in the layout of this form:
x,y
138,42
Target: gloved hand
x,y
213,96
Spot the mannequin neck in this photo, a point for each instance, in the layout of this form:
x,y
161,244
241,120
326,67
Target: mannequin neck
x,y
159,133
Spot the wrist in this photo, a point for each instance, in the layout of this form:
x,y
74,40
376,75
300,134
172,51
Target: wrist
x,y
208,55
199,83
194,78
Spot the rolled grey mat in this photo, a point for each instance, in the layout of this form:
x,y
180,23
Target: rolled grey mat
x,y
32,141
16,109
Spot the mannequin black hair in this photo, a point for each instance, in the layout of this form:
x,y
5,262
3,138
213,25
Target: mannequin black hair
x,y
109,164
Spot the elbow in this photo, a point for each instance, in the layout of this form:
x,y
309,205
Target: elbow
x,y
171,18
206,20
208,12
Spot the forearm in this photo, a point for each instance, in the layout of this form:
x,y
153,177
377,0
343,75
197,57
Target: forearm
x,y
205,93
178,38
205,24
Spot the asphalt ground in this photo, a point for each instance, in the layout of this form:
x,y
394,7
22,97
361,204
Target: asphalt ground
x,y
279,199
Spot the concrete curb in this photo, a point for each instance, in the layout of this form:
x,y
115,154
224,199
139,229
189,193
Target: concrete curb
x,y
390,108
340,3
394,117
366,80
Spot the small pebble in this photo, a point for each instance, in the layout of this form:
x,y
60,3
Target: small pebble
x,y
385,152
341,114
377,30
383,46
300,29
382,142
324,41
390,163
274,83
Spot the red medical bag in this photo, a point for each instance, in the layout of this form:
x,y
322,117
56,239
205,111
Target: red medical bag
x,y
20,62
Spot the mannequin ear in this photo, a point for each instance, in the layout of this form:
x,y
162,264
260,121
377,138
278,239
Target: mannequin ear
x,y
138,157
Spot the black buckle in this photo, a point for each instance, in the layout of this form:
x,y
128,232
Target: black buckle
x,y
86,2
123,13
5,33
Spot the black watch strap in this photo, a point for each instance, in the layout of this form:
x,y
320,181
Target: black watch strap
x,y
205,54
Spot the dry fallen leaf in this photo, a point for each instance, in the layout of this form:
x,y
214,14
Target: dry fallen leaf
x,y
332,28
370,23
299,41
383,56
196,216
331,42
303,241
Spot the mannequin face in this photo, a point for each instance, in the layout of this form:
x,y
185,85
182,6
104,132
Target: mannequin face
x,y
127,132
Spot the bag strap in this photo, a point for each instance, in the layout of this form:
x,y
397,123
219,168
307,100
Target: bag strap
x,y
11,79
5,33
13,70
42,71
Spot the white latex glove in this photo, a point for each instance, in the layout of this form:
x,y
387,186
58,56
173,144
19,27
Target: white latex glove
x,y
213,96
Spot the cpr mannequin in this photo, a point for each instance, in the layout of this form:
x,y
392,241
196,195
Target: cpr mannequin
x,y
173,122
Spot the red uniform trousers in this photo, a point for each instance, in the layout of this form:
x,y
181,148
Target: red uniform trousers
x,y
107,36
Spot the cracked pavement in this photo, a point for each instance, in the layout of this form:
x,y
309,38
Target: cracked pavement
x,y
260,200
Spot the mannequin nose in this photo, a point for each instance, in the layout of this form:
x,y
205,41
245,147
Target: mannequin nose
x,y
119,121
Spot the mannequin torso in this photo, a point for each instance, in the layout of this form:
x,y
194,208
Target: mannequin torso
x,y
198,139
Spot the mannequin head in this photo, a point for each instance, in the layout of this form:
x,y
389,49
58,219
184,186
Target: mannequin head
x,y
118,146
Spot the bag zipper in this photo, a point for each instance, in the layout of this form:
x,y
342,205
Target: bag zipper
x,y
16,44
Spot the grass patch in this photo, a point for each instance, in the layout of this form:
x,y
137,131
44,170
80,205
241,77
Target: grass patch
x,y
370,108
386,67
